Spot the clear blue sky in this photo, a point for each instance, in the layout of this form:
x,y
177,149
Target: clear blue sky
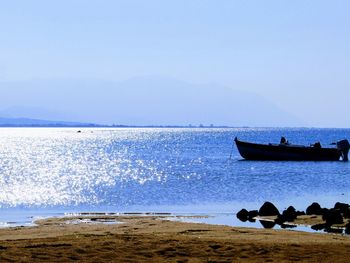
x,y
294,53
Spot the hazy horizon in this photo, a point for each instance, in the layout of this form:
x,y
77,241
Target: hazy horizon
x,y
140,101
291,56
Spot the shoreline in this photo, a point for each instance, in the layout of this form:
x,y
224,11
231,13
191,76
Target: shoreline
x,y
145,238
212,218
302,223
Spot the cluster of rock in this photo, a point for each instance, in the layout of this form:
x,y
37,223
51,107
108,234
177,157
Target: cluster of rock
x,y
330,216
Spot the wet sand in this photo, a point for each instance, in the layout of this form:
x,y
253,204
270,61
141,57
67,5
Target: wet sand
x,y
155,239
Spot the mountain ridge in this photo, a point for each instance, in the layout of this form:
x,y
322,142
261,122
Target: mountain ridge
x,y
141,101
27,122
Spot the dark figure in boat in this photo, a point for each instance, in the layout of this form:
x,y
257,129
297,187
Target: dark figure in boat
x,y
317,145
284,141
284,151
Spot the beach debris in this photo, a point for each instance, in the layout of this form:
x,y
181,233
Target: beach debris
x,y
215,246
268,209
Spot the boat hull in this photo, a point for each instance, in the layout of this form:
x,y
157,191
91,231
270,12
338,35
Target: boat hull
x,y
281,152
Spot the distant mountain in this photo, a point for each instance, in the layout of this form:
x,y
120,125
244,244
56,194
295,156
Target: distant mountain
x,y
140,101
25,122
32,113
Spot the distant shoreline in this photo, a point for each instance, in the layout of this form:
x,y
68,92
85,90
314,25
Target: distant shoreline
x,y
155,126
109,126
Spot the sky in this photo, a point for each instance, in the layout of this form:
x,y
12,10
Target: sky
x,y
295,54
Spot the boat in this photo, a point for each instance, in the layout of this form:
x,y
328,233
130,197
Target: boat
x,y
285,151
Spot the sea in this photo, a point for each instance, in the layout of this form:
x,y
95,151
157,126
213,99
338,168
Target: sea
x,y
47,172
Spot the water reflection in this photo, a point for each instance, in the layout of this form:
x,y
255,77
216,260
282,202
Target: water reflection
x,y
123,168
267,224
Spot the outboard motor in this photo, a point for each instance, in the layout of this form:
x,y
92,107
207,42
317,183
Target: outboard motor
x,y
343,146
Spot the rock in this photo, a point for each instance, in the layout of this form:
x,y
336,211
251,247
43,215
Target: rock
x,y
284,226
314,209
290,214
333,217
251,220
280,219
267,224
333,230
243,215
291,209
342,207
268,209
300,213
324,211
252,214
346,213
347,229
318,227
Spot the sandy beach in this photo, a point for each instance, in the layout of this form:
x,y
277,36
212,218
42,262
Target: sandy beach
x,y
157,239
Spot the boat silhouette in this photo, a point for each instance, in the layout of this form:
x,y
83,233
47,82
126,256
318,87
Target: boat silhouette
x,y
285,151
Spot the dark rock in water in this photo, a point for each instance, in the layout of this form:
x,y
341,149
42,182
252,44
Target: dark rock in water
x,y
347,229
291,210
300,213
280,219
267,224
289,214
333,230
284,226
325,215
318,227
346,213
342,207
333,217
252,214
243,215
324,211
314,209
268,209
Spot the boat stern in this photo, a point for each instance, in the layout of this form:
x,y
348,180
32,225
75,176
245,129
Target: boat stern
x,y
343,147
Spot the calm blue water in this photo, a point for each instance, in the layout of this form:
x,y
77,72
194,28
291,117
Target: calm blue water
x,y
46,171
